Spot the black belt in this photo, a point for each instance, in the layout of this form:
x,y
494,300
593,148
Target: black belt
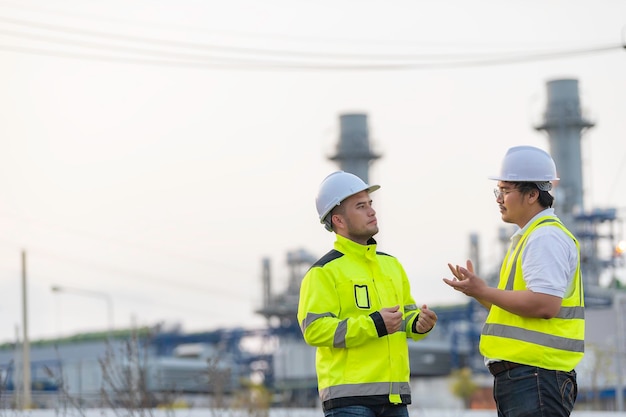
x,y
498,367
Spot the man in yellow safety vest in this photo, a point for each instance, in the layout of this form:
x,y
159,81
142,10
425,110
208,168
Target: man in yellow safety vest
x,y
356,307
533,336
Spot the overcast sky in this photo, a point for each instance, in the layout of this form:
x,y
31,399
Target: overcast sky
x,y
153,152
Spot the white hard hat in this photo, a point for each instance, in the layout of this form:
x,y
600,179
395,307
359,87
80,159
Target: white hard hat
x,y
337,187
527,164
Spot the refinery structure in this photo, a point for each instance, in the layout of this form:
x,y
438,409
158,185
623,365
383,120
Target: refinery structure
x,y
164,365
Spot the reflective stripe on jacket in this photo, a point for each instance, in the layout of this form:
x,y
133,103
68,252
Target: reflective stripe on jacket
x,y
556,343
338,312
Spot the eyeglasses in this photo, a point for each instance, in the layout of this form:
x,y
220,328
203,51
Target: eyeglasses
x,y
502,192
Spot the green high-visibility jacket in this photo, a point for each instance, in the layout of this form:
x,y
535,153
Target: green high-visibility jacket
x,y
357,362
556,343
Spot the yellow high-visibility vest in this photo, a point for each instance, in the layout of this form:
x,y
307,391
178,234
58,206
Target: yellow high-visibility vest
x,y
556,343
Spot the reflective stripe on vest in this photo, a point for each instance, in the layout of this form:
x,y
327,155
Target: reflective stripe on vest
x,y
367,389
538,338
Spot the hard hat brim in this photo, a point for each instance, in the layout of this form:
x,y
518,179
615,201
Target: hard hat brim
x,y
516,179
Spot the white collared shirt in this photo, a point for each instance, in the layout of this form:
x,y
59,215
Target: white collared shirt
x,y
549,259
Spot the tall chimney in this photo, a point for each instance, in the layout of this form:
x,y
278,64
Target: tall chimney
x,y
353,150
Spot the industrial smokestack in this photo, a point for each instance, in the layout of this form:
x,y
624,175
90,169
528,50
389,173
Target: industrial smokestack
x,y
564,123
353,150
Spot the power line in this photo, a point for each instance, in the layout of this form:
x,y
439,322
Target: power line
x,y
220,290
233,296
128,243
221,48
254,35
282,59
276,65
186,307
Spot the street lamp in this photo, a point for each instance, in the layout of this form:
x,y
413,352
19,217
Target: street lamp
x,y
90,293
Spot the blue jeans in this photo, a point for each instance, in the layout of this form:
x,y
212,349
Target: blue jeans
x,y
388,410
531,391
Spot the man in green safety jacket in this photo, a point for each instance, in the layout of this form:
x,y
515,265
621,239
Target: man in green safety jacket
x,y
356,308
533,336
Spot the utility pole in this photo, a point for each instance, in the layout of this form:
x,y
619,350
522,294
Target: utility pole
x,y
26,398
618,305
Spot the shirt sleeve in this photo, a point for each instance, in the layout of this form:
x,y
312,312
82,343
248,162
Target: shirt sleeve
x,y
549,261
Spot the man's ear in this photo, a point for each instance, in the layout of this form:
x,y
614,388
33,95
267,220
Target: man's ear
x,y
533,195
338,220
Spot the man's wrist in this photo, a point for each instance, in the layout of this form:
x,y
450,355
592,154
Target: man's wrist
x,y
381,328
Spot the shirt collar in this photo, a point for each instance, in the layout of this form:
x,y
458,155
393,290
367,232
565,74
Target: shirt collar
x,y
547,212
350,247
